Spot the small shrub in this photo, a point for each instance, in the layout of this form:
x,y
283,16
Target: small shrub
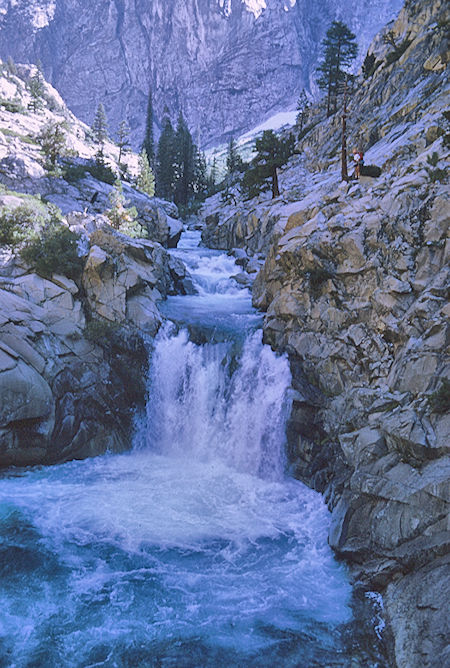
x,y
101,332
55,251
17,224
14,106
121,217
396,54
101,172
370,65
434,172
317,277
305,131
439,401
74,173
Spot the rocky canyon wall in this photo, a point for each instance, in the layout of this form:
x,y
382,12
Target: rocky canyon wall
x,y
228,64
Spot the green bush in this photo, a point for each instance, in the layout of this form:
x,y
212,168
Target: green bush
x,y
73,173
17,224
101,332
318,276
55,251
440,400
369,66
394,55
434,172
102,172
13,106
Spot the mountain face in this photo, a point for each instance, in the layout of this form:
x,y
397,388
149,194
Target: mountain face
x,y
227,64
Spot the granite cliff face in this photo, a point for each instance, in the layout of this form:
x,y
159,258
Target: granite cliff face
x,y
355,289
227,63
73,352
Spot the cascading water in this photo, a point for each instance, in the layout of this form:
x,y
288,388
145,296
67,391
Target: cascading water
x,y
193,549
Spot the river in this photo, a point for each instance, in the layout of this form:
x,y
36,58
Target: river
x,y
194,549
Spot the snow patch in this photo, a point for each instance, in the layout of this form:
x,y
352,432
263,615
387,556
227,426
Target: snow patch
x,y
256,7
276,122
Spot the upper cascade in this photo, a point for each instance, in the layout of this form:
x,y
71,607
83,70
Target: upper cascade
x,y
228,64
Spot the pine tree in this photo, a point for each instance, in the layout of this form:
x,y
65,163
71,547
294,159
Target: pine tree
x,y
201,179
123,138
145,179
339,51
53,141
36,88
272,152
302,109
184,163
149,143
234,160
121,217
212,178
100,126
165,160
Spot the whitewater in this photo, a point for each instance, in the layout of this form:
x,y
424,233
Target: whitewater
x,y
195,548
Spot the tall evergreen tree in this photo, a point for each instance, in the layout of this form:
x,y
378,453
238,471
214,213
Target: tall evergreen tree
x,y
234,160
184,163
212,178
200,179
145,179
36,89
149,143
100,125
123,138
302,109
165,160
272,152
339,51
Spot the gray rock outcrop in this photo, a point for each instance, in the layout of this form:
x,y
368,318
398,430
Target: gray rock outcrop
x,y
73,356
355,290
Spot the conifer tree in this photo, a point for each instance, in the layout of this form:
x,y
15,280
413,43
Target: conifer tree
x,y
146,178
53,141
120,216
123,138
184,163
149,143
234,160
212,178
201,179
339,51
302,109
272,153
36,89
165,160
100,125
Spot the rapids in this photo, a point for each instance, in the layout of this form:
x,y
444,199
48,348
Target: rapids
x,y
194,549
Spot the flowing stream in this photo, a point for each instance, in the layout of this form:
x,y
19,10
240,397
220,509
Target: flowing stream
x,y
194,549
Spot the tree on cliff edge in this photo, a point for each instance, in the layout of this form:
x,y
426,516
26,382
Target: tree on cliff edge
x,y
272,152
339,51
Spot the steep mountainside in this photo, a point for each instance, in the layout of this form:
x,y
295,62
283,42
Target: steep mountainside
x,y
355,286
227,63
72,350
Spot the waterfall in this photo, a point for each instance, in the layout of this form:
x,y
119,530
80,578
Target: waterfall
x,y
193,549
218,401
